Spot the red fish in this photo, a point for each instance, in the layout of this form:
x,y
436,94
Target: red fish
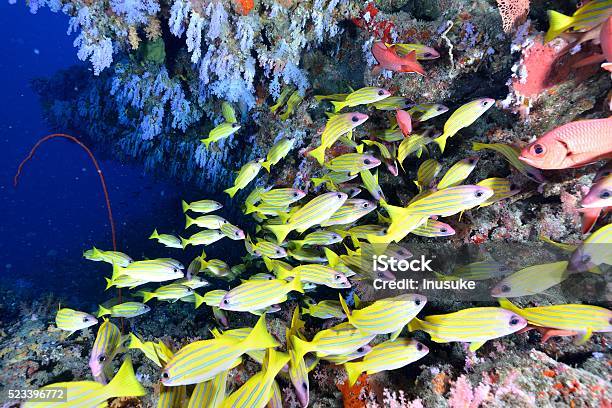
x,y
388,58
598,200
404,122
574,144
605,39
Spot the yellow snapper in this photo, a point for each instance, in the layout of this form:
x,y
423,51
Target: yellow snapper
x,y
246,174
111,257
282,98
502,189
278,152
205,237
259,294
158,352
221,131
209,394
126,309
325,309
335,127
202,206
150,272
205,221
321,237
475,325
232,232
388,355
370,182
361,96
391,103
351,211
413,144
72,320
202,360
458,173
282,196
434,228
449,201
385,316
228,112
594,251
426,111
583,319
591,14
352,163
168,240
87,394
343,358
316,211
171,293
294,100
338,340
257,391
532,280
428,170
481,270
106,346
423,52
463,117
320,275
511,154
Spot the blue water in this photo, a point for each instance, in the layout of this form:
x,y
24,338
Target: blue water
x,y
58,209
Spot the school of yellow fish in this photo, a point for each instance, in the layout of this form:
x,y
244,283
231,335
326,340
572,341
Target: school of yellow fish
x,y
318,238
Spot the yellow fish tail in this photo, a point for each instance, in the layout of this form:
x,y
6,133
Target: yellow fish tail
x,y
154,235
184,242
109,283
146,296
353,370
266,165
506,304
135,342
296,284
231,191
250,208
188,221
259,338
347,312
185,206
198,300
558,23
415,324
319,154
276,361
317,181
301,347
124,384
338,105
280,231
441,141
102,311
207,141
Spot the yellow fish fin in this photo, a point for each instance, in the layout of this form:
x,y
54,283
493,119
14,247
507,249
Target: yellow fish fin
x,y
476,345
584,336
558,23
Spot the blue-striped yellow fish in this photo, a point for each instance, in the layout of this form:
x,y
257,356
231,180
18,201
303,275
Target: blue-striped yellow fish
x,y
582,319
124,281
107,344
511,154
352,163
210,394
204,237
158,352
194,282
532,280
202,360
321,237
426,111
257,391
217,268
325,309
391,103
434,228
463,117
72,320
228,112
363,96
594,251
205,221
351,211
171,397
343,358
370,182
149,272
269,250
385,316
321,275
332,179
338,340
413,144
310,255
278,152
259,294
202,206
388,355
221,131
171,293
126,309
87,394
282,197
267,209
282,98
502,189
111,257
335,127
293,102
232,232
423,52
458,173
477,271
450,201
428,170
168,240
246,174
475,325
316,211
591,14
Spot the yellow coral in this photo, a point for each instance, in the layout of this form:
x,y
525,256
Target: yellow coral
x,y
133,37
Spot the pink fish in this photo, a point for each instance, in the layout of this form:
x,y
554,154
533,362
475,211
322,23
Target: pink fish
x,y
605,40
574,144
388,58
598,200
404,122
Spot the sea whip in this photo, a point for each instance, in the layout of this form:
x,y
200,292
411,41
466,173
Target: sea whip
x,y
102,181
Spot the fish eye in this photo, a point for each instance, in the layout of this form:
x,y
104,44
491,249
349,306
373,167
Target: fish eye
x,y
366,161
165,375
440,108
85,319
538,149
235,125
175,270
189,289
604,194
295,194
237,233
419,347
417,302
479,194
385,231
505,288
427,54
381,92
304,385
514,321
355,119
278,252
610,321
338,277
360,350
225,302
339,196
101,358
443,230
366,205
485,103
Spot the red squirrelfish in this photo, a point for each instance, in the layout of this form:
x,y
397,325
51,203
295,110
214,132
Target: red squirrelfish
x,y
388,58
574,144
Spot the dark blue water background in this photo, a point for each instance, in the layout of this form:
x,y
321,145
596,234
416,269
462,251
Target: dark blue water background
x,y
58,209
